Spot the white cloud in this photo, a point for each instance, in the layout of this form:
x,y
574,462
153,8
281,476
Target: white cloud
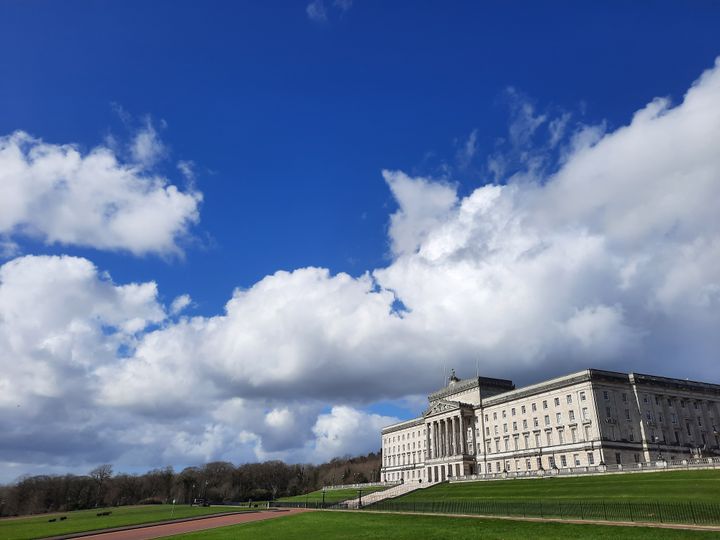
x,y
180,303
316,11
347,431
146,147
611,262
60,195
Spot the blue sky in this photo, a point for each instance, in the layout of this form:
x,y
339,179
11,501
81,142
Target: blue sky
x,y
284,116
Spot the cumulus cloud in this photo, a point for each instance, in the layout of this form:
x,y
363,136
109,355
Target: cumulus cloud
x,y
60,195
612,261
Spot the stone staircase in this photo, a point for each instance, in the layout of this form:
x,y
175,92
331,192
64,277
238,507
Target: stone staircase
x,y
390,493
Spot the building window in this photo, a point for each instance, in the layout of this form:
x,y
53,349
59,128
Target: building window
x,y
486,418
591,458
585,414
558,418
504,428
503,414
631,435
522,409
495,416
637,458
606,396
534,407
506,443
496,429
512,411
527,464
548,436
573,434
618,458
487,430
571,414
563,461
608,412
582,396
539,463
544,404
535,422
673,417
527,441
561,436
568,398
557,401
624,397
627,414
514,426
489,467
524,424
645,399
547,419
537,440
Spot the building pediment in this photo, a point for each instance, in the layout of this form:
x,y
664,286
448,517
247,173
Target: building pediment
x,y
441,406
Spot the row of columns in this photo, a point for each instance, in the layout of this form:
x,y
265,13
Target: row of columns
x,y
446,437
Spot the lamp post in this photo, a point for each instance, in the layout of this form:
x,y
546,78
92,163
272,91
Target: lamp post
x,y
323,500
359,499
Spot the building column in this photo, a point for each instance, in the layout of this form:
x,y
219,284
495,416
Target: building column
x,y
463,435
434,439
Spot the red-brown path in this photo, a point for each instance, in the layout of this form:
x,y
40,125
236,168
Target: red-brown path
x,y
169,529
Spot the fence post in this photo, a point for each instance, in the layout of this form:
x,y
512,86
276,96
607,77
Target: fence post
x,y
659,509
631,512
692,512
541,509
605,510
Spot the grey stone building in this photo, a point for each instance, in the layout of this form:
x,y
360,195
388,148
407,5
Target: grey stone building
x,y
483,426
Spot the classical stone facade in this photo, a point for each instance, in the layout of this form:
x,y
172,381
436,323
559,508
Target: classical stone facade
x,y
482,426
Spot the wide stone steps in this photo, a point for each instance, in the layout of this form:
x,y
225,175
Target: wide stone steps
x,y
390,493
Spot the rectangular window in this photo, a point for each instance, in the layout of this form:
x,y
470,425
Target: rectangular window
x,y
522,409
571,414
547,419
537,440
544,404
561,436
514,426
645,399
539,463
576,459
505,441
608,412
558,418
535,422
527,441
548,436
563,461
591,458
525,424
627,414
569,399
637,458
557,401
512,411
582,396
496,429
489,467
573,434
606,396
534,407
515,442
503,414
504,428
624,397
495,416
487,430
585,414
527,464
618,458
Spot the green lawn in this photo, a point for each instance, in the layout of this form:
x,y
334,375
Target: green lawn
x,y
701,486
87,520
331,525
332,495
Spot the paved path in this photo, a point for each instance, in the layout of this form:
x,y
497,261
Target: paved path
x,y
147,532
652,525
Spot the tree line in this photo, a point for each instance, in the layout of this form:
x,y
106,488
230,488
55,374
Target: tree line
x,y
218,482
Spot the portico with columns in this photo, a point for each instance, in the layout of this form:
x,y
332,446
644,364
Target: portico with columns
x,y
447,451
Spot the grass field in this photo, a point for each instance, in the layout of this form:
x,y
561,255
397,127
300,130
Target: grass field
x,y
702,486
87,520
331,525
332,495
